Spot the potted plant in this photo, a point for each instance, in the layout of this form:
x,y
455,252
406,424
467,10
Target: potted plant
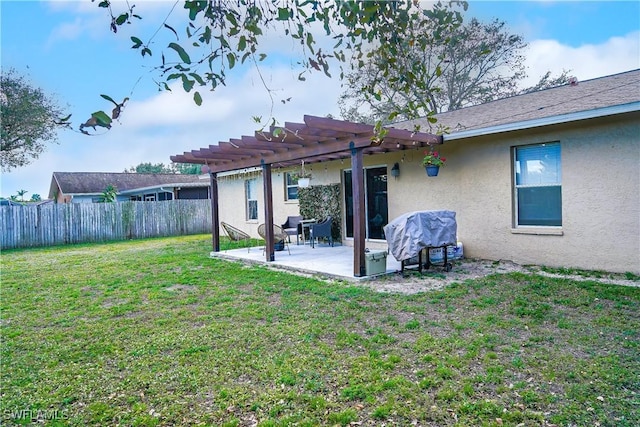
x,y
304,177
304,180
432,162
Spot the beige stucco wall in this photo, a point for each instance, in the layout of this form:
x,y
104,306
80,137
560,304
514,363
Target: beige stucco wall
x,y
600,195
231,193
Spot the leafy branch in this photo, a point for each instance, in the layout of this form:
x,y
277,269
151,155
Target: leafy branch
x,y
222,34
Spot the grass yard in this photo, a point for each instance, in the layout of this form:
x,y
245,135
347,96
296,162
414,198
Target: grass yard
x,y
154,332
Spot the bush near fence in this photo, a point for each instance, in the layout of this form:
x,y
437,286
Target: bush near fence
x,y
59,224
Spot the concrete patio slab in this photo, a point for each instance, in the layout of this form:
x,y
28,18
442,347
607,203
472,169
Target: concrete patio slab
x,y
323,260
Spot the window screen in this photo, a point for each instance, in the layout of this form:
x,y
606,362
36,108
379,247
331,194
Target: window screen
x,y
538,190
291,184
251,191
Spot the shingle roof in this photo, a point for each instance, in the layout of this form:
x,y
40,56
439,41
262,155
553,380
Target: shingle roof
x,y
96,182
599,93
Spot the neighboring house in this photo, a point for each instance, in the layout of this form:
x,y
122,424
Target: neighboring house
x,y
88,187
549,178
9,202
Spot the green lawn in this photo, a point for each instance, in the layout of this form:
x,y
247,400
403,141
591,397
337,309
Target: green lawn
x,y
155,332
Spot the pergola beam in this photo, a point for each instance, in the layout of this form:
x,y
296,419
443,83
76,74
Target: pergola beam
x,y
302,153
219,154
318,139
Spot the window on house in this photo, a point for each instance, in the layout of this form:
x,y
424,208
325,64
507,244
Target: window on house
x,y
538,185
291,186
251,192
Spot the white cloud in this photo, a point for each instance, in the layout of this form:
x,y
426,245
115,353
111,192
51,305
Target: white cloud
x,y
93,21
588,61
68,30
169,123
244,98
177,108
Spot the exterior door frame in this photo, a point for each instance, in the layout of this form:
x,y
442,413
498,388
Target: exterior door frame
x,y
366,191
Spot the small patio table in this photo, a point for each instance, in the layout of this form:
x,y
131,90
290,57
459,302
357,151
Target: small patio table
x,y
306,223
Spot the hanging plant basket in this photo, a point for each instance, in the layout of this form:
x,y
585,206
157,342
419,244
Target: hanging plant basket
x,y
432,161
432,170
304,182
304,178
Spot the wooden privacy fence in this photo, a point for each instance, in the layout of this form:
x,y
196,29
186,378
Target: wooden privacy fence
x,y
58,224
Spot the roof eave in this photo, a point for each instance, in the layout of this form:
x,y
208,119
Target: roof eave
x,y
163,187
546,121
83,194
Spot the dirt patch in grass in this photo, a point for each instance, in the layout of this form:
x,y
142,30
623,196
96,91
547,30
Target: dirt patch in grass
x,y
436,278
180,288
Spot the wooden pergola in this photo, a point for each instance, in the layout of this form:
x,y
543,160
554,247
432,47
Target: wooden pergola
x,y
318,139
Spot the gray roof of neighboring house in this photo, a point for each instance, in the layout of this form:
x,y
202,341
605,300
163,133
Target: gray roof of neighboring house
x,y
590,98
96,182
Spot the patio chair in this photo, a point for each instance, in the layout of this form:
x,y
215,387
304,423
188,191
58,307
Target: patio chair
x,y
279,237
321,229
293,228
236,235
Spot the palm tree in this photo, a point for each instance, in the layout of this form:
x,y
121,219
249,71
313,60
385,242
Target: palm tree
x,y
21,194
109,194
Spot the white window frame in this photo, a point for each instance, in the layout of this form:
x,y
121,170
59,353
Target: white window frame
x,y
523,181
251,197
290,182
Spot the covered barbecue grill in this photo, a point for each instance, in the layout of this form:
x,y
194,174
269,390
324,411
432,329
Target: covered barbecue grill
x,y
411,235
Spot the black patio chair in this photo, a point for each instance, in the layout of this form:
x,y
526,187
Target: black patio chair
x,y
236,235
293,228
321,229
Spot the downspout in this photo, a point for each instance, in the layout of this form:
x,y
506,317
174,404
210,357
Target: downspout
x,y
215,215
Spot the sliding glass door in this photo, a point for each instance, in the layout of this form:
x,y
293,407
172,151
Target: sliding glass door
x,y
376,207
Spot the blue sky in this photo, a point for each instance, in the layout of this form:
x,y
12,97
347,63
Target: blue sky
x,y
66,49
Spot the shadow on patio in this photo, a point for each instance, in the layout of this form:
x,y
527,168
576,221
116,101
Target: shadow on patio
x,y
334,262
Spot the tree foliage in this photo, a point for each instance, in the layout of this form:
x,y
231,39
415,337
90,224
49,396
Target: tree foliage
x,y
102,119
149,167
221,34
480,62
30,120
109,194
173,168
187,168
21,194
547,81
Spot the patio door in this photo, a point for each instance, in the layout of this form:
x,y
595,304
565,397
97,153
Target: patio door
x,y
375,201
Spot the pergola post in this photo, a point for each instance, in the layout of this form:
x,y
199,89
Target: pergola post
x,y
318,139
359,231
215,224
268,211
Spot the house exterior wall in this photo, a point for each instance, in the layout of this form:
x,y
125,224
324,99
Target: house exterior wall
x,y
600,196
232,198
63,198
82,198
600,161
